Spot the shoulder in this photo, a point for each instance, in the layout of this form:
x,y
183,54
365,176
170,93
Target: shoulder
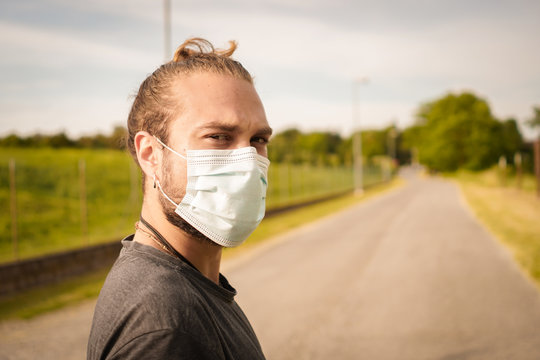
x,y
151,284
148,298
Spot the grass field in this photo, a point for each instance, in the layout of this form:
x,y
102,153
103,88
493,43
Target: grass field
x,y
49,202
290,184
41,300
48,196
511,214
38,301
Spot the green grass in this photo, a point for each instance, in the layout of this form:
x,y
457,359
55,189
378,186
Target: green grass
x,y
496,178
511,214
49,196
290,184
52,297
48,199
35,302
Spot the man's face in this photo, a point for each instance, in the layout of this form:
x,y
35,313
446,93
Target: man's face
x,y
217,112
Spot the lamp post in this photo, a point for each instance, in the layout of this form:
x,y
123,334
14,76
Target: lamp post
x,y
358,173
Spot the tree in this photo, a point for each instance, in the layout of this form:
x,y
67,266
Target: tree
x,y
284,147
320,147
293,146
59,140
117,139
374,143
534,123
458,131
12,140
512,141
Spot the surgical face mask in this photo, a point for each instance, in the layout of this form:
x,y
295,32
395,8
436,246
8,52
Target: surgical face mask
x,y
225,193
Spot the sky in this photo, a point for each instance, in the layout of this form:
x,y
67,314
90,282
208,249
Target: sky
x,y
75,66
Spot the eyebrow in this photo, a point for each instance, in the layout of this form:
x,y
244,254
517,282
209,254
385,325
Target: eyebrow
x,y
267,130
232,128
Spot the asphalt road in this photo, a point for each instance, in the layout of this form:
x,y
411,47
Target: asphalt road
x,y
407,275
410,275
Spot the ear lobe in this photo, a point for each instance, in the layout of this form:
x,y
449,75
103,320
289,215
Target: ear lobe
x,y
147,155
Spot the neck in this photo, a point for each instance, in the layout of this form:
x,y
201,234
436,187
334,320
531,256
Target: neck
x,y
204,256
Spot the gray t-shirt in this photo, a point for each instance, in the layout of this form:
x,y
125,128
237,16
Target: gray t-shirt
x,y
155,306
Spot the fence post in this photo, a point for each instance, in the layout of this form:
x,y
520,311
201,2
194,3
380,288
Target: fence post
x,y
289,181
502,170
13,207
283,183
519,169
82,194
537,165
302,168
386,166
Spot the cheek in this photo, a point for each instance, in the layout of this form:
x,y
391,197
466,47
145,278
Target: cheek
x,y
175,176
262,150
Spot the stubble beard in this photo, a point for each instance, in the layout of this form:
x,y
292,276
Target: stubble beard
x,y
169,209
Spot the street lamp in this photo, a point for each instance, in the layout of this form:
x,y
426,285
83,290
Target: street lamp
x,y
358,172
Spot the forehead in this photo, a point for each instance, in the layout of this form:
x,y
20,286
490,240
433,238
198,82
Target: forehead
x,y
208,99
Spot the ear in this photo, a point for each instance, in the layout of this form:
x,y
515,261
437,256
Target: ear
x,y
148,155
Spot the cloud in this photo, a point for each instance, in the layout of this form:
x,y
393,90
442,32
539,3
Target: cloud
x,y
463,49
413,66
308,114
31,45
75,115
304,54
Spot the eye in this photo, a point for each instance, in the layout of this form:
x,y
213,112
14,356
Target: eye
x,y
259,140
220,137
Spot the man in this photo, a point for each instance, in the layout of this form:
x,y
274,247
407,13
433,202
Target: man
x,y
198,131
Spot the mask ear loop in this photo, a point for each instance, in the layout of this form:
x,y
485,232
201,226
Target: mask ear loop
x,y
168,148
156,182
163,192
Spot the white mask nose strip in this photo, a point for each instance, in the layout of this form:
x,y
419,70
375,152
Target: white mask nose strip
x,y
174,151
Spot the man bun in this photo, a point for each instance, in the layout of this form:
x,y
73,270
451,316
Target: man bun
x,y
197,46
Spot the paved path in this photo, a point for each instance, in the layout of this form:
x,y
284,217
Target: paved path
x,y
59,335
408,275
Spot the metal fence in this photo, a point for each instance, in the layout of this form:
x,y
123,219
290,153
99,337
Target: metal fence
x,y
57,200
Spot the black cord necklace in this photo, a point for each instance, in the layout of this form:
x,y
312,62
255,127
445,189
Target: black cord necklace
x,y
165,243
